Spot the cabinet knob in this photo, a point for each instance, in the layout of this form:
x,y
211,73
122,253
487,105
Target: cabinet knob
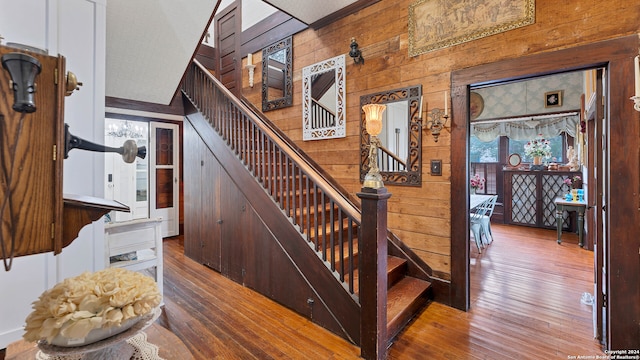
x,y
219,221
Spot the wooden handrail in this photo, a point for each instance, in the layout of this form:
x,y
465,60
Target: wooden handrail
x,y
294,147
322,183
383,159
321,115
319,209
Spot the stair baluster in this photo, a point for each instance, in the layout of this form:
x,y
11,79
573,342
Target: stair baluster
x,y
327,219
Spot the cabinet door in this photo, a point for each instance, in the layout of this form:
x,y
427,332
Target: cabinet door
x,y
552,187
524,200
193,162
233,229
210,210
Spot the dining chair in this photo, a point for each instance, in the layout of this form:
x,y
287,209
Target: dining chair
x,y
485,222
475,223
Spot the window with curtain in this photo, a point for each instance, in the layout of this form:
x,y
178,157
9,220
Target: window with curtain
x,y
557,149
483,152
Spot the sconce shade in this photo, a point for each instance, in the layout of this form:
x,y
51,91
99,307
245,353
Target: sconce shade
x,y
373,118
23,69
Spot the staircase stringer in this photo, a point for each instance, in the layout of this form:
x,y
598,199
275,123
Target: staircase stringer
x,y
300,191
290,181
341,307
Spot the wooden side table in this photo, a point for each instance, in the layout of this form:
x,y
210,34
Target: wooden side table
x,y
579,207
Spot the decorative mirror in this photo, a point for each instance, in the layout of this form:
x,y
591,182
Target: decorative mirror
x,y
400,156
514,160
277,83
324,100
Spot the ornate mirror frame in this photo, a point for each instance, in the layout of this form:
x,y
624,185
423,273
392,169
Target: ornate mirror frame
x,y
413,175
313,128
286,76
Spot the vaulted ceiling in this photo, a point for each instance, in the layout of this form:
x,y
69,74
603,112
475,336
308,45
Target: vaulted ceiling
x,y
150,42
149,45
319,13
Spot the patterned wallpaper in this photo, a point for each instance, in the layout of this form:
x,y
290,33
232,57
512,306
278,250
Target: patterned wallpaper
x,y
527,97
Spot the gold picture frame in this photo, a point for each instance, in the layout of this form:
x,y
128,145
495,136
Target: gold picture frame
x,y
553,98
434,26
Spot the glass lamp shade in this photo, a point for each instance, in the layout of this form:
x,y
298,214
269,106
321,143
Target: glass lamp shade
x,y
373,118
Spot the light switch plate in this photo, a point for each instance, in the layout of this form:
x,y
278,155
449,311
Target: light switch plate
x,y
436,167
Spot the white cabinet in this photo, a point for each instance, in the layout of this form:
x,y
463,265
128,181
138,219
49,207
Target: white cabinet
x,y
136,245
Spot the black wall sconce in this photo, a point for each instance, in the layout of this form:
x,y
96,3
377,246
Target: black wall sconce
x,y
23,70
355,53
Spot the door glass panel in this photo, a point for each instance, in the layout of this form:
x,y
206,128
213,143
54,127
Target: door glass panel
x,y
164,188
164,146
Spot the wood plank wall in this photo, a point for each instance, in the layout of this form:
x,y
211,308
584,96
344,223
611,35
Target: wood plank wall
x,y
421,215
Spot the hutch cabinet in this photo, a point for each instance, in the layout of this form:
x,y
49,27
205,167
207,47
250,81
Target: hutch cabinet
x,y
529,196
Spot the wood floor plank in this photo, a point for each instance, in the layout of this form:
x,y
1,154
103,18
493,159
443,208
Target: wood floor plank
x,y
525,304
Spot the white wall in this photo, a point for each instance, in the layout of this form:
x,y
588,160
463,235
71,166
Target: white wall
x,y
253,11
75,29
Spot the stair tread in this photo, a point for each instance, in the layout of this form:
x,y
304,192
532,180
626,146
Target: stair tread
x,y
403,295
394,262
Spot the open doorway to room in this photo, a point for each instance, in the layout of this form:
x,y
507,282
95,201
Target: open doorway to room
x,y
149,186
520,261
517,124
608,59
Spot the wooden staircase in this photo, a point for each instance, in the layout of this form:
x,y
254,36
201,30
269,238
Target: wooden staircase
x,y
406,295
323,214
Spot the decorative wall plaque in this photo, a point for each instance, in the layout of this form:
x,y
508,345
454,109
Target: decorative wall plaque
x,y
436,24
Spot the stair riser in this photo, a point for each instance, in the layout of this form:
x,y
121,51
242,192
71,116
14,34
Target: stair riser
x,y
395,326
395,275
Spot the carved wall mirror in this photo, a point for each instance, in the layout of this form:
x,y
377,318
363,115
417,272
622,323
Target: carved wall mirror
x,y
277,83
324,100
400,156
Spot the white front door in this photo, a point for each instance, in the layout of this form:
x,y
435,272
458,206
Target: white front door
x,y
163,178
126,183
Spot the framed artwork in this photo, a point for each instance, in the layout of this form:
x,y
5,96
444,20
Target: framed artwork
x,y
437,24
476,105
553,99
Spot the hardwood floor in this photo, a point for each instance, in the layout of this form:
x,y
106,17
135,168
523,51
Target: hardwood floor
x,y
525,288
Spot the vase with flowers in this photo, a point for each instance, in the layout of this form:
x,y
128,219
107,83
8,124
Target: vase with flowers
x,y
476,183
574,182
538,149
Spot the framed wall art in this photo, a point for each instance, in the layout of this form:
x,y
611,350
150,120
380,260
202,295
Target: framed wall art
x,y
436,24
553,99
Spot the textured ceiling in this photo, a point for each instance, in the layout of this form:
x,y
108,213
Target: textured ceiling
x,y
310,11
150,44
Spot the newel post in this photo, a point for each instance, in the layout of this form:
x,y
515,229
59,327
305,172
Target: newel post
x,y
373,273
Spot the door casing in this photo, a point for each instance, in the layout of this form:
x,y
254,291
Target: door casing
x,y
616,56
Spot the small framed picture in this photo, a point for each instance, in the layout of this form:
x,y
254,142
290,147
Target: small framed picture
x,y
553,98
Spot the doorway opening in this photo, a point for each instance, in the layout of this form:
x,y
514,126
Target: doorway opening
x,y
514,70
149,186
510,122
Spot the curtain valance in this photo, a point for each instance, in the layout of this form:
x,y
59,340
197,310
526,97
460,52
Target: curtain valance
x,y
527,129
